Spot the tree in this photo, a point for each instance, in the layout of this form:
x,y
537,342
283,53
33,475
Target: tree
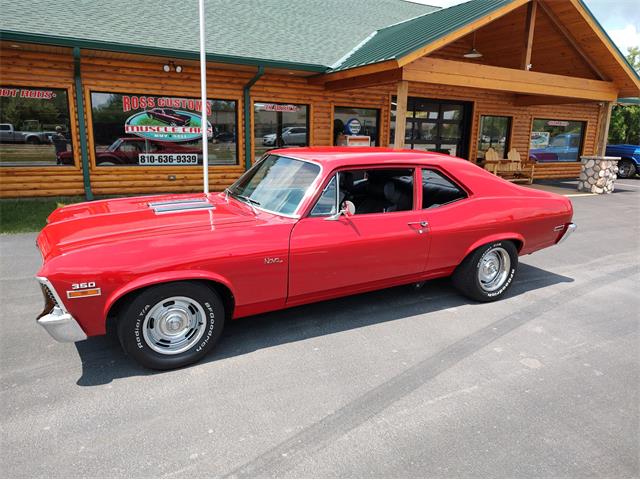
x,y
625,119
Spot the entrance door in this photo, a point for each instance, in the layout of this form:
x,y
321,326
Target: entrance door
x,y
436,126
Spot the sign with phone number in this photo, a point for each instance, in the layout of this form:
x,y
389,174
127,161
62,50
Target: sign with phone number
x,y
168,159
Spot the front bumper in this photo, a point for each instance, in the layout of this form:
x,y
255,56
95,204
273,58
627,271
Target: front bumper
x,y
567,232
62,326
55,319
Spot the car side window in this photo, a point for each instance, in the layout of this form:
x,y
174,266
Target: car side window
x,y
438,190
327,203
379,190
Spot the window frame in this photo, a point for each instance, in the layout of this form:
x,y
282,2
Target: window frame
x,y
378,119
309,107
448,177
507,143
583,132
334,173
118,91
73,128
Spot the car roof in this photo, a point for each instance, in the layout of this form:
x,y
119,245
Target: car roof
x,y
334,157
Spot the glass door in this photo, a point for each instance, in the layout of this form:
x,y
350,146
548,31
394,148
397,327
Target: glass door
x,y
436,126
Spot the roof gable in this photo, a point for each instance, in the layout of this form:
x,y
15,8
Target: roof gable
x,y
396,41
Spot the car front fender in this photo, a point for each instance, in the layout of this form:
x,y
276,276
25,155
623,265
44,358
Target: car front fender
x,y
163,277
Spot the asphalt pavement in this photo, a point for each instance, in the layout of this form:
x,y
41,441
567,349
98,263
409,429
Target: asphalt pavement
x,y
396,383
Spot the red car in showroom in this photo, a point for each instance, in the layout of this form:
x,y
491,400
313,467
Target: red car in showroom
x,y
126,151
302,225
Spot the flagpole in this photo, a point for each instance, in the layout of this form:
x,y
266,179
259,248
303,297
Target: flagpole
x,y
203,88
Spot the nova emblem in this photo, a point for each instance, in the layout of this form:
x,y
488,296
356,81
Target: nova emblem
x,y
270,260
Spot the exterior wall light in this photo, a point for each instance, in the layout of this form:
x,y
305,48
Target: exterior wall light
x,y
167,67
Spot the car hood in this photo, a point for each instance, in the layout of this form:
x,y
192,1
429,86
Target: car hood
x,y
106,221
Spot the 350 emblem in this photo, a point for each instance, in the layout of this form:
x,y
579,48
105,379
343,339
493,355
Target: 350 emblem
x,y
78,286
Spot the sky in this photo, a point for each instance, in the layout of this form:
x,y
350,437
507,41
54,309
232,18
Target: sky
x,y
620,18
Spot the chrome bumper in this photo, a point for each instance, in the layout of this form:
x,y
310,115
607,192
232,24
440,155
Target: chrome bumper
x,y
568,231
62,326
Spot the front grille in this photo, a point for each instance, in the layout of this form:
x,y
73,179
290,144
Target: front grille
x,y
49,300
49,295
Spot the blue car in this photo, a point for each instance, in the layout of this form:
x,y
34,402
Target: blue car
x,y
562,148
630,155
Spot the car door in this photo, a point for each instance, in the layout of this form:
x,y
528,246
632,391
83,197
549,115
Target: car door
x,y
453,224
330,257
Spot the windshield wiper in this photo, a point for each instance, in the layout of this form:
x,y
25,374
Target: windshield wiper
x,y
249,201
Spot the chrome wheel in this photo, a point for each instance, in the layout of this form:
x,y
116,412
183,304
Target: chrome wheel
x,y
493,269
174,325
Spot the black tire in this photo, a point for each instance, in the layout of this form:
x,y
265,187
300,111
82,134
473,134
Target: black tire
x,y
466,277
626,168
33,141
135,329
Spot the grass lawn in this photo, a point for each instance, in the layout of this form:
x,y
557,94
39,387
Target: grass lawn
x,y
29,214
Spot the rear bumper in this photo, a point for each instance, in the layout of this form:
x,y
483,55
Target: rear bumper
x,y
62,326
571,227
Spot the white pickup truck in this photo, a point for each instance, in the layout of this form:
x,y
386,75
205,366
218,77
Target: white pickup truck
x,y
8,134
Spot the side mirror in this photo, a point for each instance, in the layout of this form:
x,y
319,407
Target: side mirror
x,y
347,209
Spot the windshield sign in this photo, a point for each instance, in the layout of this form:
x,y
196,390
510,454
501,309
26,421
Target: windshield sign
x,y
276,184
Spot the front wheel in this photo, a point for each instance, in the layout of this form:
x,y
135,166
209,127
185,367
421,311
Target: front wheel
x,y
626,168
486,274
171,325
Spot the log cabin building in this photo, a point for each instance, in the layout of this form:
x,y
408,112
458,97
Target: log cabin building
x,y
102,98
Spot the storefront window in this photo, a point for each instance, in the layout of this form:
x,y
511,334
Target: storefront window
x,y
35,129
146,130
494,133
356,121
279,125
556,140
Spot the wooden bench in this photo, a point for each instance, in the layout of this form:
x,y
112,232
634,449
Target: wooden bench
x,y
512,169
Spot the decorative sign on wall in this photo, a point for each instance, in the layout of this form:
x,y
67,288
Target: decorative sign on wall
x,y
352,127
166,124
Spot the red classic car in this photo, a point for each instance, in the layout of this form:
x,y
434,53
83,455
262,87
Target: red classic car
x,y
302,225
169,116
125,151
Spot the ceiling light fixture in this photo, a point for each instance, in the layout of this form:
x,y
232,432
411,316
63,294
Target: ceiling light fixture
x,y
473,53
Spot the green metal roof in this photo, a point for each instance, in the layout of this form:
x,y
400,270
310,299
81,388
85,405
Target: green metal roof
x,y
398,40
629,101
305,34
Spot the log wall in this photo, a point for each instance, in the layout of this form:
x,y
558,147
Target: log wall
x,y
144,75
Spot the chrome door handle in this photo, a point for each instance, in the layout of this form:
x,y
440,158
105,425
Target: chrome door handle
x,y
423,224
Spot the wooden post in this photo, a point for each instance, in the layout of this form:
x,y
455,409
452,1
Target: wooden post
x,y
530,26
603,127
401,113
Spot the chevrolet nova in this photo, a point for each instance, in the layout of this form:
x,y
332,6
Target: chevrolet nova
x,y
302,225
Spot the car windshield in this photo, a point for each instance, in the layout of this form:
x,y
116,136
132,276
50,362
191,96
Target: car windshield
x,y
276,184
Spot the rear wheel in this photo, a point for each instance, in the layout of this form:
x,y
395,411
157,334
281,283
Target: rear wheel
x,y
171,325
486,274
626,168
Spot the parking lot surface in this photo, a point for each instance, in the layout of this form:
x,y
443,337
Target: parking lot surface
x,y
396,383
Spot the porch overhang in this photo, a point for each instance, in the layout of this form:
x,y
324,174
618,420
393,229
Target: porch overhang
x,y
464,74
